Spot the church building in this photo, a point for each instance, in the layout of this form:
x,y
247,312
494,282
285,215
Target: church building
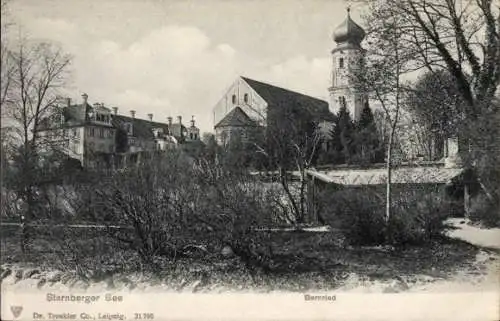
x,y
345,56
246,104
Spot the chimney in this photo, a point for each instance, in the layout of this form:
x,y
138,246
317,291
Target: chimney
x,y
150,116
169,121
68,101
179,118
192,121
85,98
115,110
132,113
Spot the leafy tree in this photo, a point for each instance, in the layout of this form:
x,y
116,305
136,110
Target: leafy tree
x,y
211,148
368,146
121,140
435,100
434,103
342,145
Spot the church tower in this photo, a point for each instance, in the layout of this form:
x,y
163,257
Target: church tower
x,y
348,37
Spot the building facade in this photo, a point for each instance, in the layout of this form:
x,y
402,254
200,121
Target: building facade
x,y
346,57
98,136
247,105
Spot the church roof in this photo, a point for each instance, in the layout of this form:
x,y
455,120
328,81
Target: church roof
x,y
236,118
277,96
349,32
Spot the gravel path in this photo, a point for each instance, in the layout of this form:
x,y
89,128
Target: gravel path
x,y
487,238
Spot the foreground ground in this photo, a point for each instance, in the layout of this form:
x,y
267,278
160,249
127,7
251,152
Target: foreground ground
x,y
466,260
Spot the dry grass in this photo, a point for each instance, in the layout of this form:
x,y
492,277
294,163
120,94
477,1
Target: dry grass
x,y
302,261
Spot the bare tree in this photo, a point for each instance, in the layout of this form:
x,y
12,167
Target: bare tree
x,y
460,36
39,70
381,75
463,38
5,62
291,147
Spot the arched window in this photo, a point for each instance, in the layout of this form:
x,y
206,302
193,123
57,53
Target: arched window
x,y
342,101
245,98
234,99
341,62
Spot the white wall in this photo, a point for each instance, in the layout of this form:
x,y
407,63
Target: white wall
x,y
255,108
342,83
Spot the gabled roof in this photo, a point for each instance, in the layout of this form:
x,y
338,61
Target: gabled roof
x,y
236,118
142,128
277,96
378,176
74,115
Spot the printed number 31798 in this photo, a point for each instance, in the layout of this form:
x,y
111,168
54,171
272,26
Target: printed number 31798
x,y
144,316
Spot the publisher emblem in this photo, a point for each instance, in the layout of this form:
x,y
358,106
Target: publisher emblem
x,y
16,310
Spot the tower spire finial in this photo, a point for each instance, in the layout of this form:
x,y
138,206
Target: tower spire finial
x,y
348,9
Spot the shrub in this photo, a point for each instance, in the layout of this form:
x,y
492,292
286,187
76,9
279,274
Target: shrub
x,y
234,208
151,202
484,211
417,216
359,213
169,204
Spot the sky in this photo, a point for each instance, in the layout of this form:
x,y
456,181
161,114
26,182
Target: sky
x,y
177,57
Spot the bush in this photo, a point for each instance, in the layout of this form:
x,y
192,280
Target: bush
x,y
151,202
484,211
234,207
359,213
417,215
169,204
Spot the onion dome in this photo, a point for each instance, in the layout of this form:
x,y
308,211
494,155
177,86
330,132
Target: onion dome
x,y
349,31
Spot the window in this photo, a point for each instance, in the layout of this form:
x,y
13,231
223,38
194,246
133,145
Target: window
x,y
101,132
245,98
110,133
91,132
191,135
341,62
128,128
342,101
234,99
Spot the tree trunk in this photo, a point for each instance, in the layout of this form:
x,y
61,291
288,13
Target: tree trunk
x,y
388,183
284,183
388,190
